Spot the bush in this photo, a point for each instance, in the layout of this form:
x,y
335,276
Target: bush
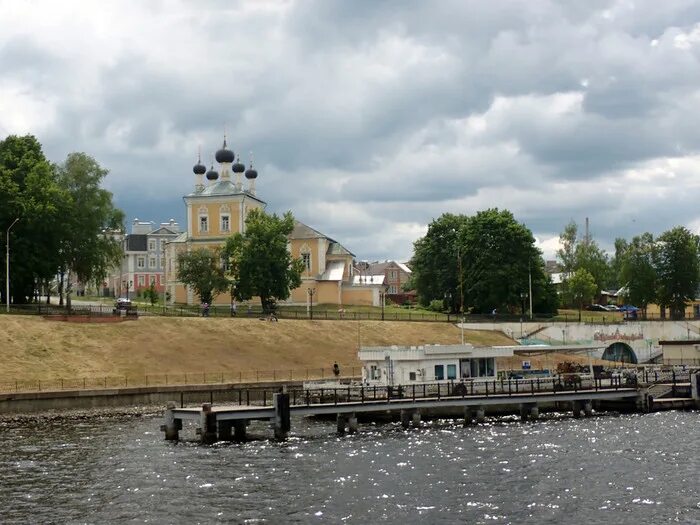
x,y
436,305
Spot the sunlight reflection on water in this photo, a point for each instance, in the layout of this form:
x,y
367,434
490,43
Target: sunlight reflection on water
x,y
607,469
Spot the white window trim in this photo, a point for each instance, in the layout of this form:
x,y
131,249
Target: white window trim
x,y
221,222
205,230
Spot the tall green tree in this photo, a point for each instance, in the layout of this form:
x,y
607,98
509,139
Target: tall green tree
x,y
88,250
582,287
585,253
498,256
203,271
29,191
435,264
615,279
259,261
568,239
484,261
638,272
678,269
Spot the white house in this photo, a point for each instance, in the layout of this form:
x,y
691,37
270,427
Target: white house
x,y
403,365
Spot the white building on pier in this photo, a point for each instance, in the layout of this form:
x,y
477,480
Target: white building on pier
x,y
394,365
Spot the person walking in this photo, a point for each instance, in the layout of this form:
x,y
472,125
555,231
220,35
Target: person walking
x,y
336,369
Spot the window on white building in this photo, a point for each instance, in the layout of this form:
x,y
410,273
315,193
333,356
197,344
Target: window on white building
x,y
152,279
306,258
152,262
225,223
439,372
142,280
151,245
393,289
451,371
140,262
203,224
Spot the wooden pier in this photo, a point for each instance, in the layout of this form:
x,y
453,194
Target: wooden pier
x,y
229,422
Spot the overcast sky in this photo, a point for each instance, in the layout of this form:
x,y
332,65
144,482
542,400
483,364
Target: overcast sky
x,y
368,119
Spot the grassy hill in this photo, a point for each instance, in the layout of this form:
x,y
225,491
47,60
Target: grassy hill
x,y
207,349
34,348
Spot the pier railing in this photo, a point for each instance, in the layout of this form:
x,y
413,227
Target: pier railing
x,y
502,387
382,393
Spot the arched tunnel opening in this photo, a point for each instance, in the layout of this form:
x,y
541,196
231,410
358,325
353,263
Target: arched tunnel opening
x,y
621,353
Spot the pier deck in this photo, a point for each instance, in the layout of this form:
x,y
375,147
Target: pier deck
x,y
217,422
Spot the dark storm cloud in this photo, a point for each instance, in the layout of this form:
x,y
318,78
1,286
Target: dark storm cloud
x,y
369,119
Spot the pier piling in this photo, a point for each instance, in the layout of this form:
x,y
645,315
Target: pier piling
x,y
207,424
524,411
352,423
588,407
415,419
534,411
576,407
171,426
468,416
281,422
480,414
529,411
239,432
224,430
341,423
406,416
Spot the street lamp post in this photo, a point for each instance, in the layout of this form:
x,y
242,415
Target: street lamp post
x,y
382,296
7,265
529,283
311,293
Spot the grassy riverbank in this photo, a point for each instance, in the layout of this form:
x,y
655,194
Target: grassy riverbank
x,y
35,349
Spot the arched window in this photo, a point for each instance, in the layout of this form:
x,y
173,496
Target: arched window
x,y
306,257
203,219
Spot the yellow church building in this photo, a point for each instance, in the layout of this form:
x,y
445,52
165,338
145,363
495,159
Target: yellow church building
x,y
218,207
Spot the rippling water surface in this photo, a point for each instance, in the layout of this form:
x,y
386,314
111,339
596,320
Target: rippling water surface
x,y
607,469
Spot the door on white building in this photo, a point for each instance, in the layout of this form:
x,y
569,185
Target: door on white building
x,y
465,370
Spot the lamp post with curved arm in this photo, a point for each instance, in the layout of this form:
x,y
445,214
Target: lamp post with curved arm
x,y
7,266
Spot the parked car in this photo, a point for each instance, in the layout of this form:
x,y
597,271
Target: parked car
x,y
596,308
122,304
611,308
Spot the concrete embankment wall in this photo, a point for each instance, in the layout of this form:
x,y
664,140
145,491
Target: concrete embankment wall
x,y
31,402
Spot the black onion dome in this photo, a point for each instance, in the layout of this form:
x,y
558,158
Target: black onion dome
x,y
251,173
238,167
212,174
224,154
199,168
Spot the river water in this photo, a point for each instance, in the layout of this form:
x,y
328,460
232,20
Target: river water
x,y
620,469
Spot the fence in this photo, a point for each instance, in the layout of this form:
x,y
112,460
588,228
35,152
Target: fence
x,y
286,312
204,377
